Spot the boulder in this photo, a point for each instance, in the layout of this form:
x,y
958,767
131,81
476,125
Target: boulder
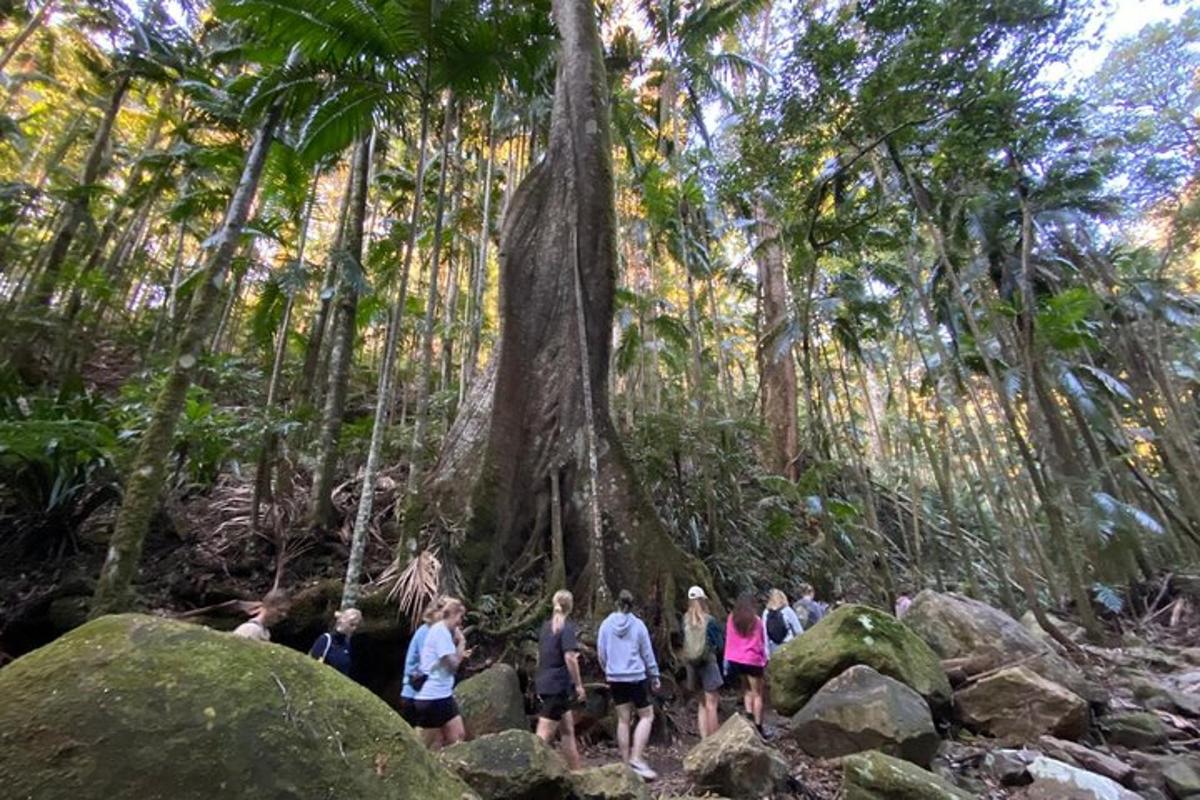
x,y
1010,767
491,701
610,782
512,765
736,762
875,776
956,626
1182,779
1134,729
863,710
854,634
1018,704
1054,780
1075,633
133,707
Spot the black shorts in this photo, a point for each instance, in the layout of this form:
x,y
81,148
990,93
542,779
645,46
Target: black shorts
x,y
555,706
624,693
749,670
435,713
408,710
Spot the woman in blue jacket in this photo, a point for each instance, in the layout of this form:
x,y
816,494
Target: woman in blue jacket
x,y
627,658
412,661
333,648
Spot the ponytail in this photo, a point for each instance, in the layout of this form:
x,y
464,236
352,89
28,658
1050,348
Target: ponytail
x,y
564,603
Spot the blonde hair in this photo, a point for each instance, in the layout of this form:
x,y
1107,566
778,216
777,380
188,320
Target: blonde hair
x,y
451,606
776,600
433,611
349,616
564,604
697,611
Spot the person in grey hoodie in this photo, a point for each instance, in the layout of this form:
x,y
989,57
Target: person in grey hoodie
x,y
623,646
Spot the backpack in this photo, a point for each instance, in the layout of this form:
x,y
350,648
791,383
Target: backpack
x,y
777,627
696,645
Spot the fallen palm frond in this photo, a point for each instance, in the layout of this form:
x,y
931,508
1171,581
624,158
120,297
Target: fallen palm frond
x,y
416,585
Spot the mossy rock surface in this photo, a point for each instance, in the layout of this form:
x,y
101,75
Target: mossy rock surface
x,y
875,776
133,707
491,701
851,635
513,765
610,782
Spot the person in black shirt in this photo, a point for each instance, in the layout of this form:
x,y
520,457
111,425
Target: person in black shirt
x,y
558,681
333,648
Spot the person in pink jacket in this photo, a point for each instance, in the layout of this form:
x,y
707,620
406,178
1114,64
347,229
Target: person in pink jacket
x,y
746,654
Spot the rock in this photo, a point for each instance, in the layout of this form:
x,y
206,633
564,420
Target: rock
x,y
1010,767
736,762
1018,704
956,626
133,707
875,776
863,710
1136,730
1075,633
512,765
1182,779
491,701
610,782
854,634
1089,759
1054,780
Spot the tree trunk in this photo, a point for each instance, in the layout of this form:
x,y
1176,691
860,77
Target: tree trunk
x,y
558,244
776,364
77,208
114,589
30,28
343,329
479,274
425,373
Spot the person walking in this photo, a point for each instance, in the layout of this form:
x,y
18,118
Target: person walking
x,y
780,621
414,679
443,650
333,647
272,608
746,654
558,682
702,645
809,610
627,658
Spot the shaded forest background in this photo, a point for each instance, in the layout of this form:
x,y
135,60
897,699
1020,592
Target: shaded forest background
x,y
894,306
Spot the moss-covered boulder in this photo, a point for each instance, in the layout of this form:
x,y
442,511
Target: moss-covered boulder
x,y
855,634
1137,730
610,782
875,776
513,765
133,707
491,701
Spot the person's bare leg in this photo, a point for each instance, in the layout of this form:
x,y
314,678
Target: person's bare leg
x,y
748,694
546,728
702,715
432,737
454,732
570,747
756,700
641,734
711,701
624,713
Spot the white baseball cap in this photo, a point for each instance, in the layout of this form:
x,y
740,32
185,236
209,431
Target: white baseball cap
x,y
696,593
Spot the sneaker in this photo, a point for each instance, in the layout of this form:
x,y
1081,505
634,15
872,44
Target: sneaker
x,y
643,769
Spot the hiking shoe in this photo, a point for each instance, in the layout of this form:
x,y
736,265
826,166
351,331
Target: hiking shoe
x,y
643,769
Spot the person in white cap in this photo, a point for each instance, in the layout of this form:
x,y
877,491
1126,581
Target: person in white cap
x,y
702,644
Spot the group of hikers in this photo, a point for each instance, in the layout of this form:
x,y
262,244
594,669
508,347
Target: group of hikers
x,y
735,654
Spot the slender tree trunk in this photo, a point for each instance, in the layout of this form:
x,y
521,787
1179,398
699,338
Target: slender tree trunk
x,y
425,374
479,276
776,362
384,397
77,209
35,22
450,307
342,353
114,589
